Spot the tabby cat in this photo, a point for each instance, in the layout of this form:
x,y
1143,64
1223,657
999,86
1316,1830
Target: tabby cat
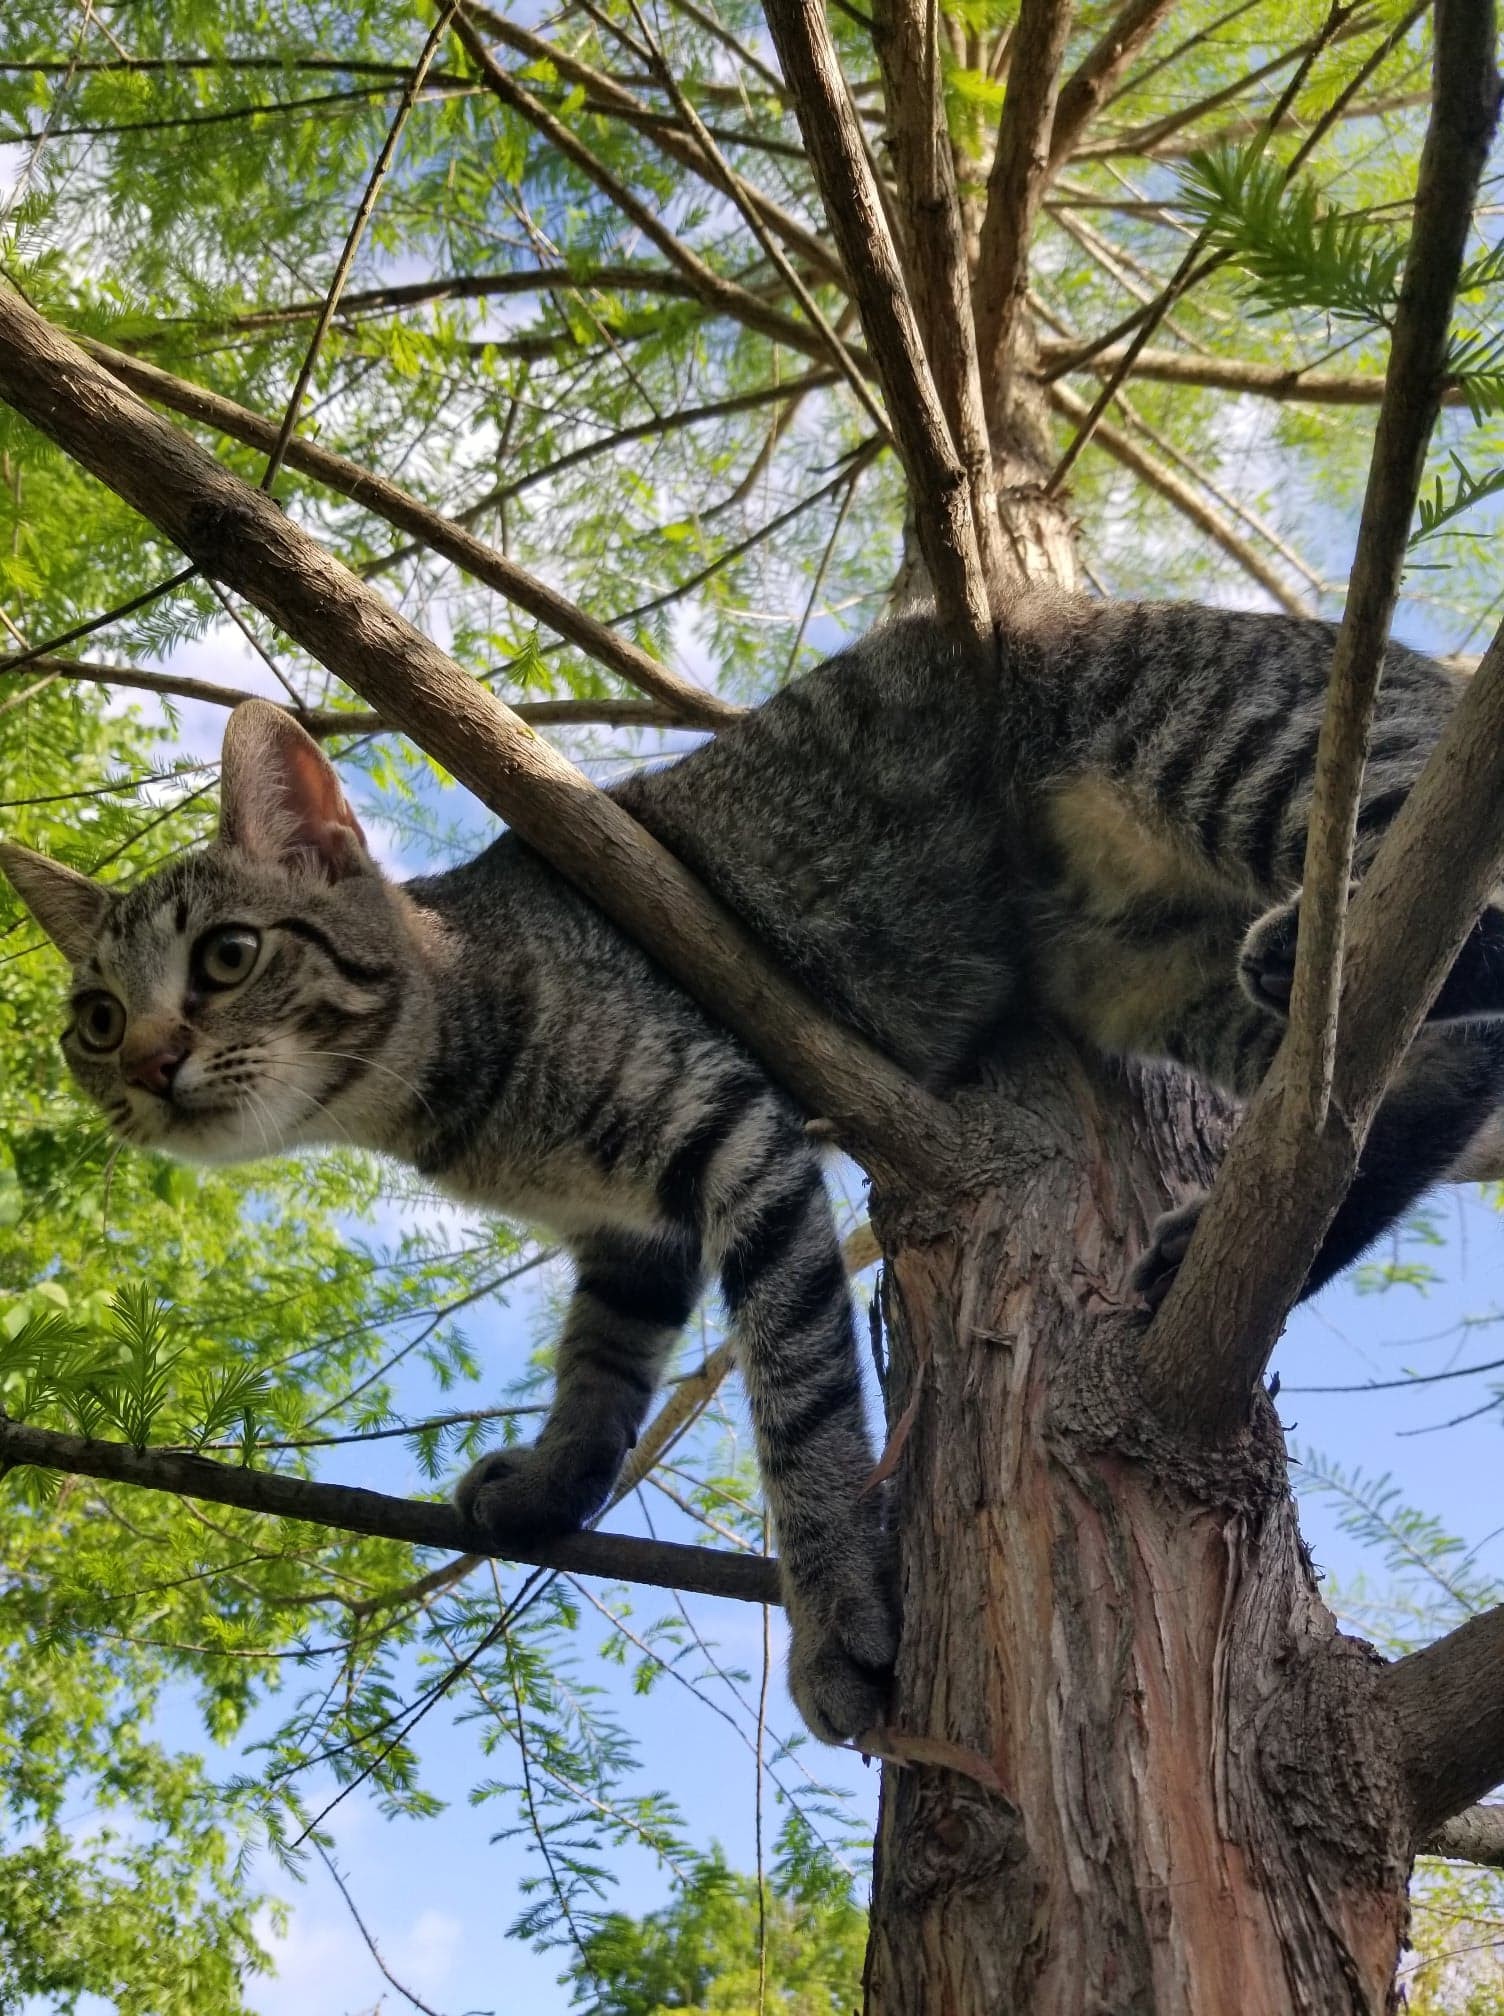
x,y
1099,821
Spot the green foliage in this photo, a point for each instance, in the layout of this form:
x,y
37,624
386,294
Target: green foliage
x,y
1297,251
706,1950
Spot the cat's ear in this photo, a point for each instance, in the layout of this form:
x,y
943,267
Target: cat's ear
x,y
280,799
68,906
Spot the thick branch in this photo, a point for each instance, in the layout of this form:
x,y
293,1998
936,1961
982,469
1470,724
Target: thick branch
x,y
903,33
1474,1835
238,536
1462,123
749,1578
400,508
1449,1707
623,278
937,482
1015,188
1296,1152
1100,71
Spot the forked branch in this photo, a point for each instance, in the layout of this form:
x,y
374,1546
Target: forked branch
x,y
904,35
1296,1152
937,482
430,528
236,535
1015,189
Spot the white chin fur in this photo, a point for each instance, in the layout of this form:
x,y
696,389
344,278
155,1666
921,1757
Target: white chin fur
x,y
273,1119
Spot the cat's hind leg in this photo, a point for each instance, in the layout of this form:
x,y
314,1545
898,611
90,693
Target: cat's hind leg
x,y
1445,1099
633,1294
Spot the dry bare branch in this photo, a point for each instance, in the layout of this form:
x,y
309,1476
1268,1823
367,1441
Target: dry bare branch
x,y
322,722
1228,374
748,1578
727,297
1175,490
400,508
615,98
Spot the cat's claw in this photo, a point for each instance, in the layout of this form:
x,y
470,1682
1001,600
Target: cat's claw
x,y
1155,1270
528,1493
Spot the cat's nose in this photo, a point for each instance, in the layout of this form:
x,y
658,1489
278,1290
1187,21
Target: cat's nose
x,y
155,1071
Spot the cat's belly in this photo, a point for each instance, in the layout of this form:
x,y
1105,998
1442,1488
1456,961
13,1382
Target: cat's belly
x,y
565,1193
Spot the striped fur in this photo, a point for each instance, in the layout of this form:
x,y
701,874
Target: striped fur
x,y
1101,824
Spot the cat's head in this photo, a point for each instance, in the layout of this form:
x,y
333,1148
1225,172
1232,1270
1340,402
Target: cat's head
x,y
235,1002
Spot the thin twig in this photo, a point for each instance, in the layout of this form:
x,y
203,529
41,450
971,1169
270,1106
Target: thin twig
x,y
356,232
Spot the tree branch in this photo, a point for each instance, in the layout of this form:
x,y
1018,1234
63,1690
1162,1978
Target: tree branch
x,y
1295,1154
1462,123
1124,449
236,535
1228,374
400,508
1474,1835
903,33
632,112
727,296
1448,1706
1015,188
321,722
1100,71
662,1564
937,482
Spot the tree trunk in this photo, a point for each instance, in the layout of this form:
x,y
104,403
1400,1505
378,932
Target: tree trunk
x,y
1145,1772
1168,1786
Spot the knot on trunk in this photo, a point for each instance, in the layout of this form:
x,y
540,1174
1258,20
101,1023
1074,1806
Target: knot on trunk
x,y
949,1835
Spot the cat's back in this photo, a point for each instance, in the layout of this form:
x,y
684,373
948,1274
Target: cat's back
x,y
855,822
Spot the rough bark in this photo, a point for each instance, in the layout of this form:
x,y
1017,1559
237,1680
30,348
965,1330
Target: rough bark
x,y
1165,1782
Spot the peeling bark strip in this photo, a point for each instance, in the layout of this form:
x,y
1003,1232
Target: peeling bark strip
x,y
1198,1809
238,536
664,1564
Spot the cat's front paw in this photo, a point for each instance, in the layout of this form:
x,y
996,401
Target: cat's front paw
x,y
1154,1273
536,1493
841,1656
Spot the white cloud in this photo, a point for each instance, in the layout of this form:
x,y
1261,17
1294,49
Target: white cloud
x,y
324,1967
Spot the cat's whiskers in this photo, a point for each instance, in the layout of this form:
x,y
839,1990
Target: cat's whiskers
x,y
351,1057
303,1093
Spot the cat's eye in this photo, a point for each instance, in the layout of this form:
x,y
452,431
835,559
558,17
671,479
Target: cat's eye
x,y
98,1021
225,957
